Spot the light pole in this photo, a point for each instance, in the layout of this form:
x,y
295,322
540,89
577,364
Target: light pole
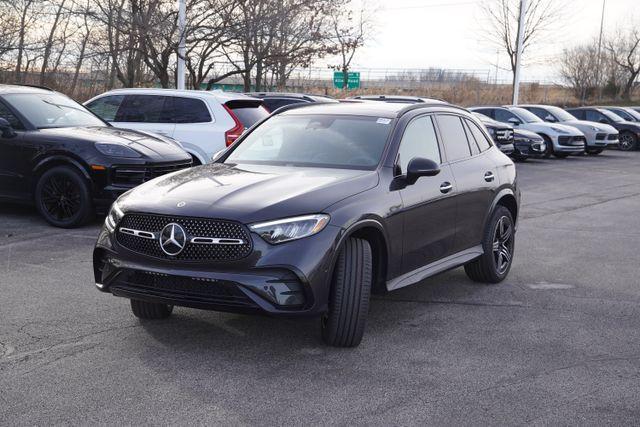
x,y
599,59
182,24
516,79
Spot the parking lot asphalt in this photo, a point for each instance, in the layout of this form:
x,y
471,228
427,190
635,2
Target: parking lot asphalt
x,y
557,343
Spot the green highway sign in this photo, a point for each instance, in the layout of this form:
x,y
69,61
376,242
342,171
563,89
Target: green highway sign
x,y
353,80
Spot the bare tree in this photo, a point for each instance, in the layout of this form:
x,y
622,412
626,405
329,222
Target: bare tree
x,y
542,18
624,49
578,67
350,31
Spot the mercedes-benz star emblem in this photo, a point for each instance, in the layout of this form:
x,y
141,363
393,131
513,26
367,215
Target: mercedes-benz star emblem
x,y
181,204
172,239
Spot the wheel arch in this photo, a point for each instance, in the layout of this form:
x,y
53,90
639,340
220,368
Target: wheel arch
x,y
373,232
506,198
58,160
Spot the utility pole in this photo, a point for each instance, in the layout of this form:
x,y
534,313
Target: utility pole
x,y
182,25
516,80
497,64
599,60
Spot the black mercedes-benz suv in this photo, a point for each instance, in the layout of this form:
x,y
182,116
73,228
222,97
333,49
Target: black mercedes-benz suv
x,y
311,210
68,162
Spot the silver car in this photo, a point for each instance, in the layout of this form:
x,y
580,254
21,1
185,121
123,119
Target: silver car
x,y
599,135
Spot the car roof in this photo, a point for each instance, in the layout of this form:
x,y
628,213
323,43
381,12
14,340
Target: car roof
x,y
219,95
306,96
373,109
6,89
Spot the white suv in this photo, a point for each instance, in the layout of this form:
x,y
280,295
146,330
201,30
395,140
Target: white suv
x,y
203,122
561,140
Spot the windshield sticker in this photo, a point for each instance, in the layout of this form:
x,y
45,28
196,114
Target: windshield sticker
x,y
383,121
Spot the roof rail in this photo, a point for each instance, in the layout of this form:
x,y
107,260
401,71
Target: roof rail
x,y
417,106
296,106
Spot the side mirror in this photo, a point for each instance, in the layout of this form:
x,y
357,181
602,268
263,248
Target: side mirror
x,y
550,118
419,166
514,121
6,129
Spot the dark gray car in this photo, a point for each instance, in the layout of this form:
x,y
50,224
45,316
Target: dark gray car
x,y
313,209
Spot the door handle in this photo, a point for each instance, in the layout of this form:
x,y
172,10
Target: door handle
x,y
489,176
445,187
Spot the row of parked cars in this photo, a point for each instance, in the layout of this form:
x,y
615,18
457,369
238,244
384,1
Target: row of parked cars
x,y
74,160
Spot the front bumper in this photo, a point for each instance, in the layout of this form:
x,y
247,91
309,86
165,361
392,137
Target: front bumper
x,y
290,279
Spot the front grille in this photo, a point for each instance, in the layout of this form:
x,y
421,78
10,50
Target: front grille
x,y
613,136
504,135
193,227
183,288
601,136
572,140
133,175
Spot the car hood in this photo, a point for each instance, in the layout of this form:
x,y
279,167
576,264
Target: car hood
x,y
586,126
146,144
549,128
247,193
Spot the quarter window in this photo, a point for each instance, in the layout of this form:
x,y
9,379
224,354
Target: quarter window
x,y
188,110
481,140
454,137
419,140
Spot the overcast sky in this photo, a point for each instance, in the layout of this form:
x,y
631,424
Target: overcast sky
x,y
445,33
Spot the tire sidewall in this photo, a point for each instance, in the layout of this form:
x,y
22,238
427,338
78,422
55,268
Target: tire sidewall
x,y
85,198
499,212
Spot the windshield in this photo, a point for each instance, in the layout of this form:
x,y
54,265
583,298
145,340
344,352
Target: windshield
x,y
51,110
525,115
612,116
483,118
347,142
560,114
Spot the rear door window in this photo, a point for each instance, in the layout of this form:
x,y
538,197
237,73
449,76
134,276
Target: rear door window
x,y
476,134
454,137
188,110
144,109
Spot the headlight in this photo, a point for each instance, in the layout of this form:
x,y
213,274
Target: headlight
x,y
285,230
114,216
116,150
562,131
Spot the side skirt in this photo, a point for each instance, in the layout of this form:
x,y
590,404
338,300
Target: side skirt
x,y
452,261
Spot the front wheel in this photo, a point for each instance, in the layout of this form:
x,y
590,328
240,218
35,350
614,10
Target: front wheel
x,y
498,245
549,147
62,197
343,325
628,141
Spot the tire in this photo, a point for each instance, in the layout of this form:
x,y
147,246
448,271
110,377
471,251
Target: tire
x,y
343,325
62,197
628,141
549,150
150,310
490,268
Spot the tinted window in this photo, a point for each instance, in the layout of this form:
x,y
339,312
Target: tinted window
x,y
106,107
10,117
453,137
473,145
578,114
350,142
504,116
144,109
594,116
486,111
478,136
248,115
188,110
538,112
419,140
273,104
624,114
52,110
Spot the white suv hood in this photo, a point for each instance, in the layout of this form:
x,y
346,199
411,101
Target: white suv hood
x,y
551,129
587,126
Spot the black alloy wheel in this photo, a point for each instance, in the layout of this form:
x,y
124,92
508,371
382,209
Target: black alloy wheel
x,y
62,197
502,246
627,141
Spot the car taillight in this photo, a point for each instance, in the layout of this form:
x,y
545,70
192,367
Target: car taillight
x,y
235,132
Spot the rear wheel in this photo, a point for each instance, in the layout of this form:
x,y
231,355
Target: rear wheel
x,y
343,325
150,310
62,197
498,245
628,141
